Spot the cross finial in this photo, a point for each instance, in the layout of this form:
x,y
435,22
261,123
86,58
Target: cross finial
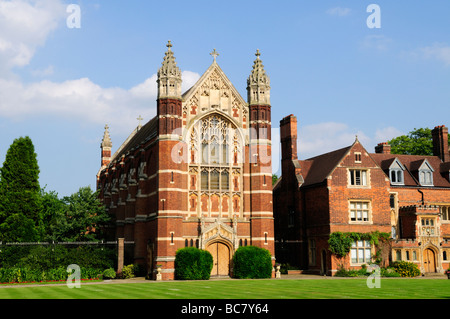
x,y
257,53
140,119
169,44
215,54
106,127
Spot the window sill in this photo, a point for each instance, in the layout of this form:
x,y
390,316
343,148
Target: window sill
x,y
359,186
360,222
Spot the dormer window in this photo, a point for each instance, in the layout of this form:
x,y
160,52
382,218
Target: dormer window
x,y
426,174
396,173
396,176
425,177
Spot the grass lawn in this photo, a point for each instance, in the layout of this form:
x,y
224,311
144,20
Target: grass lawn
x,y
241,289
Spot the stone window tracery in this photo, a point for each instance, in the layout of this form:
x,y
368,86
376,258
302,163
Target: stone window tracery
x,y
215,149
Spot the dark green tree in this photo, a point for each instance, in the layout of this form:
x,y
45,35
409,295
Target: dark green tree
x,y
82,217
20,204
274,179
417,142
53,209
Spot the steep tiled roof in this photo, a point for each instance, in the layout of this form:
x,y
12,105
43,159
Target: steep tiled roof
x,y
412,164
316,170
137,137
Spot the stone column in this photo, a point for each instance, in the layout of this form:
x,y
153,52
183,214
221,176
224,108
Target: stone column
x,y
120,254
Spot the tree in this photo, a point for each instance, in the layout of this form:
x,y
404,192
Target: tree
x,y
274,179
20,205
417,142
81,218
53,209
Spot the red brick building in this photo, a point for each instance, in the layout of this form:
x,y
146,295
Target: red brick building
x,y
197,174
352,190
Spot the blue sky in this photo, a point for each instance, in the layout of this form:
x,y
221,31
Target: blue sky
x,y
61,85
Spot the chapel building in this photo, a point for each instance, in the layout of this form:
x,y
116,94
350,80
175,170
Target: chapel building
x,y
350,190
197,174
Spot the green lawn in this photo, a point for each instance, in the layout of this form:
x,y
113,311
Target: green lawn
x,y
241,289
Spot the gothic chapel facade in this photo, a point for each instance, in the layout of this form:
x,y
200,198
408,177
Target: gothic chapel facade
x,y
198,174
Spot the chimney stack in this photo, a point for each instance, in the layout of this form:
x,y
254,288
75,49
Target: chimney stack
x,y
440,143
288,137
383,148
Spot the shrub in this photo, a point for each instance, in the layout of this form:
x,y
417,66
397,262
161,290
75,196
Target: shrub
x,y
252,262
406,269
109,273
389,272
127,272
192,263
352,272
285,267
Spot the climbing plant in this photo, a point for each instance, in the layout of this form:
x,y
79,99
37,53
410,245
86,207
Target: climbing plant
x,y
341,243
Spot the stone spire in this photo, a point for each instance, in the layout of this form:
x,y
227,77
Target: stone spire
x,y
258,84
169,76
106,141
106,147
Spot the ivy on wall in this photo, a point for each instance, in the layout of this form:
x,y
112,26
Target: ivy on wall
x,y
341,243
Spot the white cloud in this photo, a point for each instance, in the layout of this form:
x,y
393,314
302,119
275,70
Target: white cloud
x,y
325,137
437,51
386,134
376,42
339,11
320,138
25,25
83,100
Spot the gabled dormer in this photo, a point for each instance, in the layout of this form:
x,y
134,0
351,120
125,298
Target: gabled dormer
x,y
424,172
396,173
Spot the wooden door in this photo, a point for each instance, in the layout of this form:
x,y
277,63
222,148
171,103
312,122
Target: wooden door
x,y
429,260
221,259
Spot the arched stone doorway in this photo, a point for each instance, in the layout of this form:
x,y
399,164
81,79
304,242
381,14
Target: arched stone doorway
x,y
221,253
429,260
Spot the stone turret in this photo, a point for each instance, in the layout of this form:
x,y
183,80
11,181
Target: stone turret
x,y
258,84
169,77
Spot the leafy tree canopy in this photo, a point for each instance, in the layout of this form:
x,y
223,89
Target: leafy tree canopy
x,y
417,142
78,217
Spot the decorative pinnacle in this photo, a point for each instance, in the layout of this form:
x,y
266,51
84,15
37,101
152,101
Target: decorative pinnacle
x,y
106,142
258,74
215,54
169,66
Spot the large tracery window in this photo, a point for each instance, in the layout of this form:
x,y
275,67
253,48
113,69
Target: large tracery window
x,y
215,150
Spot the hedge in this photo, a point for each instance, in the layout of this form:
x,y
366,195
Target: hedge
x,y
27,275
56,256
251,262
192,263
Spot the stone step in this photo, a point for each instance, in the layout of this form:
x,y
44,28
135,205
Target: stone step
x,y
435,274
